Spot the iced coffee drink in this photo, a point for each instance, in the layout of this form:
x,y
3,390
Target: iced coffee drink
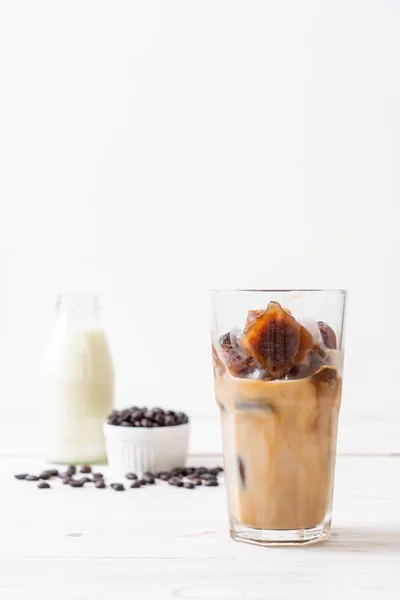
x,y
278,382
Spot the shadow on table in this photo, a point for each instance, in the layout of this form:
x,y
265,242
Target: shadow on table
x,y
365,539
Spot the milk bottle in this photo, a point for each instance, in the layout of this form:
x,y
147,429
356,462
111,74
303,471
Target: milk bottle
x,y
77,384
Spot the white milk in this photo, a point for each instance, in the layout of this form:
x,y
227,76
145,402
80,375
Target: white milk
x,y
77,386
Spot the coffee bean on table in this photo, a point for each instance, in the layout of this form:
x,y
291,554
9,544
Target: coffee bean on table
x,y
86,480
136,484
189,485
164,476
100,483
197,481
149,478
175,481
131,476
71,470
211,483
21,476
143,481
201,470
43,485
216,470
118,487
86,469
98,475
207,476
46,475
76,483
31,478
54,472
66,480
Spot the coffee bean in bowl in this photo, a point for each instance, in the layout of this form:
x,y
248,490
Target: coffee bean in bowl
x,y
144,439
145,417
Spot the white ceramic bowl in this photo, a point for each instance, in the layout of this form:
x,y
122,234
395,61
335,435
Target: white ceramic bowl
x,y
141,449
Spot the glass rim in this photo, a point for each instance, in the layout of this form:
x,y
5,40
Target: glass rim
x,y
282,290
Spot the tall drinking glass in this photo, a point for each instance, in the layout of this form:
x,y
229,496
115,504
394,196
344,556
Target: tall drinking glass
x,y
278,367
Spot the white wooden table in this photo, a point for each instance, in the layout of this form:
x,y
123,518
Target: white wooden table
x,y
163,542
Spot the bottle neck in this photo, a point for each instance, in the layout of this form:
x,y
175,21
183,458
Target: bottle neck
x,y
79,311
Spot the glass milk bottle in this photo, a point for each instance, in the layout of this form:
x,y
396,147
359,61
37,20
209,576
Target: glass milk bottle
x,y
77,384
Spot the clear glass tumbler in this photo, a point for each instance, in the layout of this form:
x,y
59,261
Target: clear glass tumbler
x,y
278,367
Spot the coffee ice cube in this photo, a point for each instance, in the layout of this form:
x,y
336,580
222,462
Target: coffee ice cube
x,y
235,360
273,339
218,365
328,335
312,326
252,315
300,371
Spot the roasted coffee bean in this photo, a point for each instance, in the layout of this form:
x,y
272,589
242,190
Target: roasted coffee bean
x,y
31,478
54,472
216,470
211,483
136,484
98,475
176,471
100,483
189,470
201,470
207,476
118,487
43,485
86,480
71,470
181,418
21,476
164,476
46,475
67,480
146,417
189,485
149,479
143,481
131,476
175,481
197,481
86,469
76,483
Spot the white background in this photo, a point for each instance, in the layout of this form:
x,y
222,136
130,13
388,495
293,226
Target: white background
x,y
150,150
